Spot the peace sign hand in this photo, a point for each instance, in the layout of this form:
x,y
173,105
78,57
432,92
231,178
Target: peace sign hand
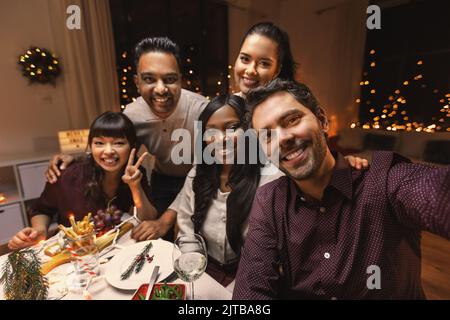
x,y
132,175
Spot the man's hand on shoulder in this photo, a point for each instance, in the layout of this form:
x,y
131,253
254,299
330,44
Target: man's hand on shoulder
x,y
58,163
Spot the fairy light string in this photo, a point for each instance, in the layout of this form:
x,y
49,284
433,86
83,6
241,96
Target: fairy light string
x,y
394,115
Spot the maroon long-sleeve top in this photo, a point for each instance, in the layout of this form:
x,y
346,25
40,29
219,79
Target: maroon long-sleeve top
x,y
361,241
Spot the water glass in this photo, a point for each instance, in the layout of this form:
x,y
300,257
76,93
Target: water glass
x,y
84,259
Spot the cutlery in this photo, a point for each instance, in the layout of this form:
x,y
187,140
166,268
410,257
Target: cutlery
x,y
152,282
114,244
105,260
170,278
116,228
108,250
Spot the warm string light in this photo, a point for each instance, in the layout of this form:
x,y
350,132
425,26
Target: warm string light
x,y
40,65
191,82
125,81
393,116
230,87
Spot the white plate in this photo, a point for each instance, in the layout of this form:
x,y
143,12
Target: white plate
x,y
162,251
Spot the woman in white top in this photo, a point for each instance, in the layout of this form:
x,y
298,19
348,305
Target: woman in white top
x,y
216,198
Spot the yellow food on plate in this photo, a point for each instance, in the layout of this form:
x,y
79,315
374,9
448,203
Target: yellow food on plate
x,y
59,259
101,243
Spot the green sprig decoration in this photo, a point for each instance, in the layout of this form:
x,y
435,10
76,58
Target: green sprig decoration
x,y
40,65
22,277
137,263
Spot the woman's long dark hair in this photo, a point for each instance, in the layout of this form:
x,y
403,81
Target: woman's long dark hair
x,y
108,124
243,179
280,37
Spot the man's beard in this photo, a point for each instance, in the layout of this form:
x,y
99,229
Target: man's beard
x,y
317,152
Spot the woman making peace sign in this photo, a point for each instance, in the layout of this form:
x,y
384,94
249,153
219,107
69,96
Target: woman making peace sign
x,y
107,176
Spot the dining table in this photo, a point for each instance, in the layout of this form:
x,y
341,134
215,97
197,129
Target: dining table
x,y
206,288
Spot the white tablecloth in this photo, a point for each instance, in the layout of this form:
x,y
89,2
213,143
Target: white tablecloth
x,y
206,288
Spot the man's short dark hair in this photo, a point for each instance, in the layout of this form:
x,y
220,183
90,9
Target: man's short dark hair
x,y
298,90
157,44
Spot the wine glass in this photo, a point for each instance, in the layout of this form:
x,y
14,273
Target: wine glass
x,y
189,258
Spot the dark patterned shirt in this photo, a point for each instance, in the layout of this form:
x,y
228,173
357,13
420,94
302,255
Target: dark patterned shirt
x,y
361,241
67,195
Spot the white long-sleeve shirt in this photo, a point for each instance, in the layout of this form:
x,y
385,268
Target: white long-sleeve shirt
x,y
214,226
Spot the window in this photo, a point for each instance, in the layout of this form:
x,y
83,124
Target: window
x,y
199,27
406,76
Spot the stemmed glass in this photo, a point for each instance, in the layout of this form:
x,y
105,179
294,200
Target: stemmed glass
x,y
189,258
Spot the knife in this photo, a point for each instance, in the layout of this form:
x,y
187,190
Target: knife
x,y
152,282
170,278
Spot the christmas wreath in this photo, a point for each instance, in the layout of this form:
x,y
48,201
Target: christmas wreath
x,y
40,65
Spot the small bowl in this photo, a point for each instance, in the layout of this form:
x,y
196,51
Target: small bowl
x,y
142,291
